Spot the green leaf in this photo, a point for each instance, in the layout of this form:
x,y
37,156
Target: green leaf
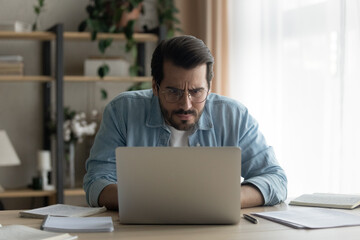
x,y
112,29
129,29
104,94
37,10
93,35
104,44
103,70
82,26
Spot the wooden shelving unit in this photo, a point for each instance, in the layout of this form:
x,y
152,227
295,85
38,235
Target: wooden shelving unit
x,y
75,36
58,36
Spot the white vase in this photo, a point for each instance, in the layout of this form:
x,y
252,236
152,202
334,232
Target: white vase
x,y
70,165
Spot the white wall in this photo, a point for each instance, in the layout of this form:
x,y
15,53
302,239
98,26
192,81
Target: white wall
x,y
20,103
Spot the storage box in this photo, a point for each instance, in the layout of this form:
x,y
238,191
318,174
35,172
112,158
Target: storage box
x,y
118,67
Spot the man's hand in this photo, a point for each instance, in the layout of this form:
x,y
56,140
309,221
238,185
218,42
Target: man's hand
x,y
251,196
109,197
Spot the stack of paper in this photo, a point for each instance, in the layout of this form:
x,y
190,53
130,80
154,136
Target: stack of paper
x,y
78,224
312,218
61,210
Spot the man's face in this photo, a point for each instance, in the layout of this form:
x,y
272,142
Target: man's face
x,y
184,113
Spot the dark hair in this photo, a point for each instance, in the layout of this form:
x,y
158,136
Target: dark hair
x,y
184,51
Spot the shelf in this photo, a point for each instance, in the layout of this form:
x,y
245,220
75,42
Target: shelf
x,y
86,36
20,193
26,193
9,78
27,35
80,36
106,79
12,78
74,192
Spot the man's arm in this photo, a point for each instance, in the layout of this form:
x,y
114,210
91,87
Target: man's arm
x,y
109,197
251,196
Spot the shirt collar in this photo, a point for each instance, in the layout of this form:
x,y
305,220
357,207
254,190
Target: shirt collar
x,y
155,118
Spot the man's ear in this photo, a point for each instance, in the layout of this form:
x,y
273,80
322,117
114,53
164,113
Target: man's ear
x,y
155,88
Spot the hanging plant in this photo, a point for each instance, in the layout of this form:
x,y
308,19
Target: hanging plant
x,y
113,16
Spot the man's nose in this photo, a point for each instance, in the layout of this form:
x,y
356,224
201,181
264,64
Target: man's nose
x,y
185,102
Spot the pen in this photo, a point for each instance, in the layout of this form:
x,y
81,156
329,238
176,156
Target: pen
x,y
250,218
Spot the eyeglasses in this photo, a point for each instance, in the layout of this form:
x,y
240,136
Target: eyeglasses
x,y
173,95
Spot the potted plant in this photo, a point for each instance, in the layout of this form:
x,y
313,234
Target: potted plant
x,y
113,16
167,20
166,11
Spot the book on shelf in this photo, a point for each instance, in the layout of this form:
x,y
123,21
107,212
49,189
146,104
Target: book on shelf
x,y
11,58
11,65
61,210
329,200
15,26
78,224
20,232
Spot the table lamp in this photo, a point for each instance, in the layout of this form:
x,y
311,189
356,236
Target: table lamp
x,y
8,156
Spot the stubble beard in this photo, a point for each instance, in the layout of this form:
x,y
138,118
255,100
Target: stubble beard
x,y
184,125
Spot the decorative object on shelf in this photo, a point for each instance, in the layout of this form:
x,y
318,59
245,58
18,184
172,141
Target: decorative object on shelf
x,y
44,168
16,26
118,66
76,128
113,16
8,156
38,9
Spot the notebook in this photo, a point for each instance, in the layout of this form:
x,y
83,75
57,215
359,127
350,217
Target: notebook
x,y
168,185
329,200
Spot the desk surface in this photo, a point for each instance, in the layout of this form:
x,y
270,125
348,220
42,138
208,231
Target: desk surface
x,y
245,230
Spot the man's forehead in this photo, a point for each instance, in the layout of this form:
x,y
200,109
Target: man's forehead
x,y
178,77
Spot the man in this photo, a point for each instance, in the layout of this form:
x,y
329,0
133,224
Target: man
x,y
180,111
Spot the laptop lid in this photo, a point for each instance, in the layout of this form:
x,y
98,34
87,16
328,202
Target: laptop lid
x,y
178,185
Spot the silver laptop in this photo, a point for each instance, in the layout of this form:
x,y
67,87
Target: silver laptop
x,y
170,185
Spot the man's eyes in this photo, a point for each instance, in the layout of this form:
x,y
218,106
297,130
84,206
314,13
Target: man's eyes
x,y
195,91
174,91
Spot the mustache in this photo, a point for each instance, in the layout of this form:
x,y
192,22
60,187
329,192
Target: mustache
x,y
182,111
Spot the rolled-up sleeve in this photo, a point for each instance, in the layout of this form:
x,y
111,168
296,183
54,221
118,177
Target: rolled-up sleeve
x,y
101,164
259,164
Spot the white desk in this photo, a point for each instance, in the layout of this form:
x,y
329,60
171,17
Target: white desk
x,y
245,230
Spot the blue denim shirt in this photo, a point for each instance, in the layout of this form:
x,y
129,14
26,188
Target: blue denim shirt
x,y
135,119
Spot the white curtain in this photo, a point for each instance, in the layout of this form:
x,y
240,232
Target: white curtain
x,y
296,65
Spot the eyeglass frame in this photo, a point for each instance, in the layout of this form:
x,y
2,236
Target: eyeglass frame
x,y
182,94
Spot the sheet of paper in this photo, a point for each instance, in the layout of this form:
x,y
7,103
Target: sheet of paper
x,y
62,210
20,232
304,217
